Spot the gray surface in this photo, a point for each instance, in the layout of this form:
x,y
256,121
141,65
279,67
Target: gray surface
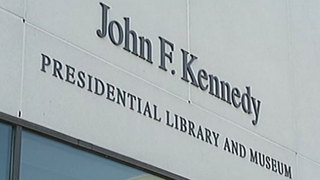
x,y
273,46
14,6
156,19
11,38
248,46
137,136
305,55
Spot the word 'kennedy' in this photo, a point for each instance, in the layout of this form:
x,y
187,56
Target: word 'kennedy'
x,y
123,35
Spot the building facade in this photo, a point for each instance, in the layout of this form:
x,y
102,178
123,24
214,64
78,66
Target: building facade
x,y
154,90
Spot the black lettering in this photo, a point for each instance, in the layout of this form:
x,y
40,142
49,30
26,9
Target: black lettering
x,y
183,123
81,81
103,31
90,83
216,137
164,54
187,69
225,91
176,121
268,164
234,147
121,97
97,83
70,74
235,94
262,160
139,105
132,98
155,113
208,136
110,92
274,165
147,111
253,156
226,145
191,129
287,171
200,134
168,119
144,41
127,33
246,101
256,108
46,61
280,167
111,33
242,151
214,83
57,67
202,75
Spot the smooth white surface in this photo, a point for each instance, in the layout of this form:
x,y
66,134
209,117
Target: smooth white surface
x,y
308,170
78,113
14,6
11,33
273,46
246,45
77,22
305,29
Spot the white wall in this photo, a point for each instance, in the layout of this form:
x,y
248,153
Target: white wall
x,y
271,46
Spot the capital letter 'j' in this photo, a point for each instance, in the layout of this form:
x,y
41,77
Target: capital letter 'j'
x,y
103,31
